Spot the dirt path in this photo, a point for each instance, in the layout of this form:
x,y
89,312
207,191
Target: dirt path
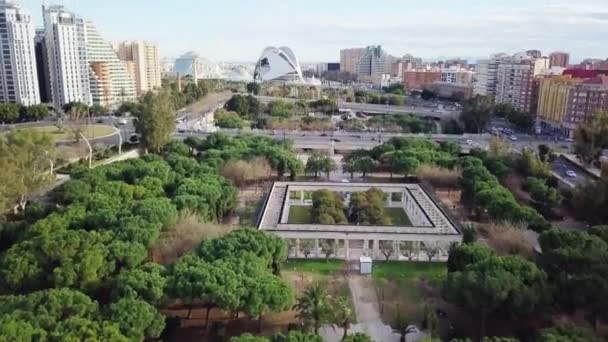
x,y
368,314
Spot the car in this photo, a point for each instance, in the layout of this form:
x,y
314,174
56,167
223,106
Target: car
x,y
569,140
571,174
345,181
324,134
336,140
122,122
513,138
470,142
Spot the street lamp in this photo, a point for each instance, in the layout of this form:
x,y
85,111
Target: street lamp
x,y
90,150
46,154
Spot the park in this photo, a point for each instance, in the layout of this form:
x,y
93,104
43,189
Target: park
x,y
224,238
393,216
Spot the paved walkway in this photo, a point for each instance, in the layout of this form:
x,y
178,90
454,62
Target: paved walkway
x,y
368,314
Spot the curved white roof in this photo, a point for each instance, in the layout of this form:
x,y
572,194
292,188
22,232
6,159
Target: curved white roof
x,y
278,64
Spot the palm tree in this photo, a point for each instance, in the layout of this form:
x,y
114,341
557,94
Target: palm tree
x,y
401,325
313,306
343,314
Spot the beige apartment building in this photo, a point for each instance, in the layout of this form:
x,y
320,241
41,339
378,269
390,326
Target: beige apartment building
x,y
349,59
143,62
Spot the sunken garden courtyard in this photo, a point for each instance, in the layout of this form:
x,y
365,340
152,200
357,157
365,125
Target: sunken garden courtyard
x,y
350,220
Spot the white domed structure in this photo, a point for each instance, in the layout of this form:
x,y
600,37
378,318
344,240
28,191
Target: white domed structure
x,y
278,64
239,73
196,66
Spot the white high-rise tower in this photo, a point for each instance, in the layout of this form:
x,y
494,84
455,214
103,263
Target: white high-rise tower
x,y
18,76
67,55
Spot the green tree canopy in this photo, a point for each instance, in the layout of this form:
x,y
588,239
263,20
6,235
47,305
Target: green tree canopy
x,y
367,208
476,113
155,120
25,158
328,207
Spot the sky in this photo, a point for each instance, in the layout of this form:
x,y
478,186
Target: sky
x,y
238,30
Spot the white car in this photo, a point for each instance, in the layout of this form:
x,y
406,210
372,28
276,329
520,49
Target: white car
x,y
513,138
470,142
122,122
571,174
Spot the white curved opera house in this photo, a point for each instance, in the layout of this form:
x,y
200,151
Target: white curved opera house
x,y
278,64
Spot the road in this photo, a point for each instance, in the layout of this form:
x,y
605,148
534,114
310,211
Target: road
x,y
377,108
562,165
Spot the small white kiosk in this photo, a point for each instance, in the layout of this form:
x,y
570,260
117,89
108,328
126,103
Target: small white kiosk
x,y
365,265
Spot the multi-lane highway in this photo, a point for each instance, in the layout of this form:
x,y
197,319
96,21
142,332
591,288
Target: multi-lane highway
x,y
379,108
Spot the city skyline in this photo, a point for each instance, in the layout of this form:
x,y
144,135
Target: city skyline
x,y
316,30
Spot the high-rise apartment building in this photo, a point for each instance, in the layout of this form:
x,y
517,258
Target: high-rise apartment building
x,y
111,84
552,98
67,56
42,66
18,76
516,84
349,58
143,62
486,76
559,59
566,102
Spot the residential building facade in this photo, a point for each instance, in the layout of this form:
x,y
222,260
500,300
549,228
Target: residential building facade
x,y
515,86
559,59
18,75
565,102
110,81
457,75
585,100
42,66
349,58
420,79
143,63
449,90
67,56
486,76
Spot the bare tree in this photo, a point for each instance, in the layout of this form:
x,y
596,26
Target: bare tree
x,y
387,249
431,250
328,248
307,246
409,249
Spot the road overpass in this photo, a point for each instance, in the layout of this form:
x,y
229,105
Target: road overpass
x,y
376,108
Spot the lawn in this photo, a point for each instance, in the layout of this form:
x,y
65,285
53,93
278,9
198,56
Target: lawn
x,y
323,267
408,286
299,215
398,217
91,131
407,271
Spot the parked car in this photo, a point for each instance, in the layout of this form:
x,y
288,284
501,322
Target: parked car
x,y
571,174
513,138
